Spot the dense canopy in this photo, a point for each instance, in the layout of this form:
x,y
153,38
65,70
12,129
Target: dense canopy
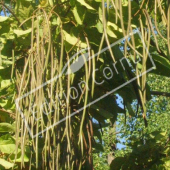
x,y
78,75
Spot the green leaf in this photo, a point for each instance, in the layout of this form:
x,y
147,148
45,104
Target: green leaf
x,y
101,111
24,10
79,13
5,83
94,36
111,33
162,65
6,139
19,157
82,2
4,116
114,26
5,62
7,49
162,60
113,30
98,134
97,116
6,164
72,2
7,144
99,26
73,40
9,148
51,3
20,33
6,127
130,110
117,163
2,19
99,147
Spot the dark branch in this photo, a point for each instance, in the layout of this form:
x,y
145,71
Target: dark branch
x,y
160,93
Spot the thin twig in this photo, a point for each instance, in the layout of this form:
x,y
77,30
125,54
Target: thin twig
x,y
12,13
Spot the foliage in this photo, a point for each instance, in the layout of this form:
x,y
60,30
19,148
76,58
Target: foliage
x,y
146,148
37,39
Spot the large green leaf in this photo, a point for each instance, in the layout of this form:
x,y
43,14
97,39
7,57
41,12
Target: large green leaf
x,y
99,147
7,144
130,110
99,26
5,62
7,49
94,36
9,148
111,33
6,139
4,116
162,60
79,14
19,157
20,33
24,9
6,164
82,2
5,83
113,30
94,113
162,65
73,40
6,127
2,19
72,2
102,111
117,163
98,134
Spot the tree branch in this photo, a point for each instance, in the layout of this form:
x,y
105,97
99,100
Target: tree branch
x,y
12,13
160,93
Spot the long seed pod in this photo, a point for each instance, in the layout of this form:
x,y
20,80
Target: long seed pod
x,y
105,30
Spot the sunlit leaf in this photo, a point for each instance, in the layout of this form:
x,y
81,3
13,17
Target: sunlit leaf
x,y
6,164
82,2
21,32
6,127
2,19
